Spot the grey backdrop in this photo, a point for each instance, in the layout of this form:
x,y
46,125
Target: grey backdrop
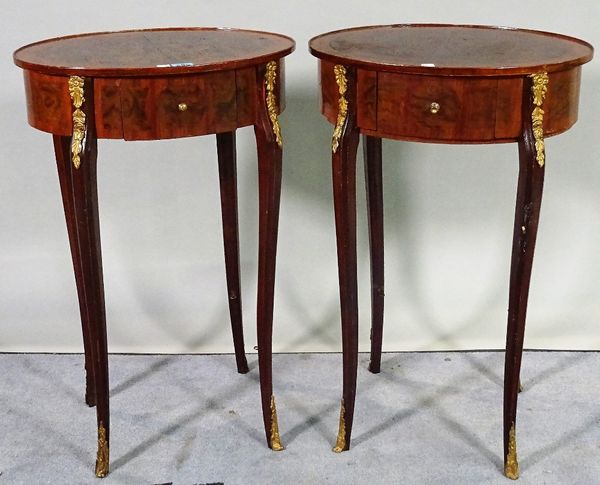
x,y
449,209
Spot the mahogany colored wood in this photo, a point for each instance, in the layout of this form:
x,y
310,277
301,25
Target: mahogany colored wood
x,y
472,109
109,116
151,107
329,91
140,100
509,121
366,87
451,50
269,181
466,107
441,84
373,159
153,52
62,149
229,211
527,213
150,85
80,194
148,108
245,85
280,86
245,80
562,103
48,103
344,200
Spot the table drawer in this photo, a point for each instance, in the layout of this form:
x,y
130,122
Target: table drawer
x,y
154,108
148,108
173,107
436,107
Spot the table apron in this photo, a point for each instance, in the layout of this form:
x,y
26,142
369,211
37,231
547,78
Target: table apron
x,y
153,108
449,109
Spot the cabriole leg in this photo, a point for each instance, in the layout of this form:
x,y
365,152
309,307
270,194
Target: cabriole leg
x,y
62,151
229,212
76,159
344,147
269,149
374,187
527,212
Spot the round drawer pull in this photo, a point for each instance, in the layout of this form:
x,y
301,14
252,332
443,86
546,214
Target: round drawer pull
x,y
182,107
434,108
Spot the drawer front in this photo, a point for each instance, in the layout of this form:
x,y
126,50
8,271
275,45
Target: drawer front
x,y
436,108
174,107
156,107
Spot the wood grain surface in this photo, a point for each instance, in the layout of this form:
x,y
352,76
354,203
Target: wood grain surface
x,y
154,52
457,50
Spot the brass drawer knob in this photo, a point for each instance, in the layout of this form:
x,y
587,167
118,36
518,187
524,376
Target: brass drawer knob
x,y
183,107
434,108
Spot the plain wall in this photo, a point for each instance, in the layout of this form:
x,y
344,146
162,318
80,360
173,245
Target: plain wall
x,y
448,209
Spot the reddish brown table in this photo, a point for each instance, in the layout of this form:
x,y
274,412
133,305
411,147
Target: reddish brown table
x,y
441,84
152,85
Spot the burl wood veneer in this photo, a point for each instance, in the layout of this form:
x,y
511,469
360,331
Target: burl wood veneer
x,y
441,84
152,85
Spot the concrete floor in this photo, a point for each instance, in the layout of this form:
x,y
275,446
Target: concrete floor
x,y
428,418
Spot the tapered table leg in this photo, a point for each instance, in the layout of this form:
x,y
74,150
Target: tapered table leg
x,y
62,151
229,211
344,147
80,196
529,198
269,150
374,187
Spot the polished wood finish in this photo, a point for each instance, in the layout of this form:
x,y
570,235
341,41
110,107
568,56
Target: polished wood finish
x,y
472,109
562,102
245,86
153,52
441,84
366,86
80,198
109,115
148,108
451,50
229,211
220,87
62,149
527,213
48,104
344,200
329,94
466,107
269,183
373,158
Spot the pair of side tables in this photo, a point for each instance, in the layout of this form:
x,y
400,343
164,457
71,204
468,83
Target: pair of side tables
x,y
429,83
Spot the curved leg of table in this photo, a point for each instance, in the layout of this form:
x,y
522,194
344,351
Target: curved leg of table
x,y
229,211
81,209
529,198
62,151
374,188
345,145
269,186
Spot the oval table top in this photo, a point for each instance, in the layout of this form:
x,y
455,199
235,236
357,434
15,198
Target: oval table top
x,y
440,49
153,52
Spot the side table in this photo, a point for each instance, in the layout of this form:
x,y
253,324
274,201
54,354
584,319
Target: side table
x,y
151,85
441,84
